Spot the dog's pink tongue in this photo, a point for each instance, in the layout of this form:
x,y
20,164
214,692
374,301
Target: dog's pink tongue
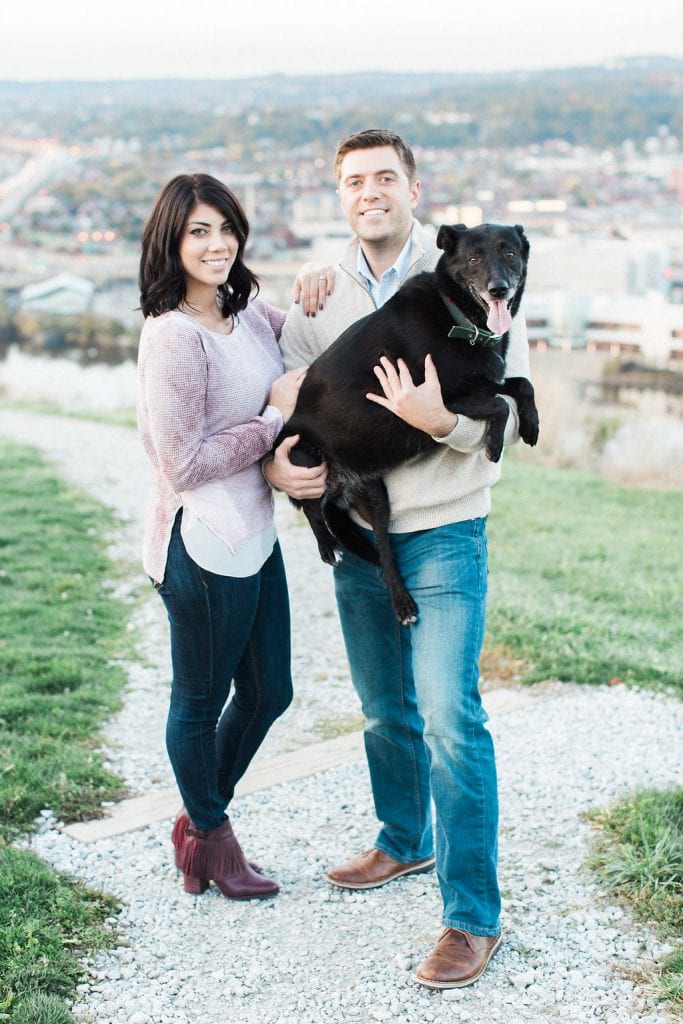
x,y
499,320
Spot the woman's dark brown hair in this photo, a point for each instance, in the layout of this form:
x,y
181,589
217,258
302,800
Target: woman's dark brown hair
x,y
161,278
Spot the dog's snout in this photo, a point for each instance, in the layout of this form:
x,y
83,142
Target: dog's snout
x,y
498,289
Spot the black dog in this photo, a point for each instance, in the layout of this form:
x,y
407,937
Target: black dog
x,y
460,314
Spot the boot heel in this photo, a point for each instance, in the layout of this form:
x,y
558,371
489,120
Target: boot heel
x,y
195,886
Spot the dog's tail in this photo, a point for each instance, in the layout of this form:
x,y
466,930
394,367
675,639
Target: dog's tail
x,y
347,533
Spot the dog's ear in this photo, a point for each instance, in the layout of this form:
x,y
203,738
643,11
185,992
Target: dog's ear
x,y
523,239
447,238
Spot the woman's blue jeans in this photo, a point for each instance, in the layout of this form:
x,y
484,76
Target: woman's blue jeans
x,y
223,630
426,731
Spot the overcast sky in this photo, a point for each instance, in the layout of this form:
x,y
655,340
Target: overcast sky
x,y
200,39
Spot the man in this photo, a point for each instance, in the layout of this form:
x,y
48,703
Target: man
x,y
426,732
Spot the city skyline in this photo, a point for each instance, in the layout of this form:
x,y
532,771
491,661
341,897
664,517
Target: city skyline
x,y
129,40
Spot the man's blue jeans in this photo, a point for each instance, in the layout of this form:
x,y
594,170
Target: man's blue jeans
x,y
223,629
426,731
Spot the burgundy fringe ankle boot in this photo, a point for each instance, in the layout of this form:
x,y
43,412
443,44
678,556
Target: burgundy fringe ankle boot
x,y
215,855
180,827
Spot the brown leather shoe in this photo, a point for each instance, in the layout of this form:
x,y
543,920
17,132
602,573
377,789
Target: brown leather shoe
x,y
458,959
373,868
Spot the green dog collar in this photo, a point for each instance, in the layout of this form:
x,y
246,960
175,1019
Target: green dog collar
x,y
465,329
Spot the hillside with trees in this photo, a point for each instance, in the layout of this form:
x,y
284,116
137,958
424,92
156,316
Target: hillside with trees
x,y
594,106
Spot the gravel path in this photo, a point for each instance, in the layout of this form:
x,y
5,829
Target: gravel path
x,y
318,955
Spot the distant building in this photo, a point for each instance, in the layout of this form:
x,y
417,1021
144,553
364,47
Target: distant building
x,y
65,294
645,327
600,266
317,215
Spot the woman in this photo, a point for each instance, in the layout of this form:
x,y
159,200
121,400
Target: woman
x,y
212,398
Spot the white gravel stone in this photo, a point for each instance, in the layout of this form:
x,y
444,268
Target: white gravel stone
x,y
319,954
453,995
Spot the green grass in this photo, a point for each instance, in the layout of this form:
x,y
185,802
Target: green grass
x,y
670,978
340,724
59,631
586,578
639,857
47,922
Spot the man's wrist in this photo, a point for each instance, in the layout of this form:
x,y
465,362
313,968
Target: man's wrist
x,y
446,425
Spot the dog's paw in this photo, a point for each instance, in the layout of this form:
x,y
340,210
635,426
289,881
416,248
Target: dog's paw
x,y
406,609
494,452
528,429
330,553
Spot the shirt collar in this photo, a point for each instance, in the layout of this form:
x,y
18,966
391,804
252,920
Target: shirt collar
x,y
399,268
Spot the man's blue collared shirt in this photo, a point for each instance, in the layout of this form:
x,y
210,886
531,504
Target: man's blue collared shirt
x,y
391,279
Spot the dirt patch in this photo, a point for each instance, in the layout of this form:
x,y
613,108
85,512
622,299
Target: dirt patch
x,y
499,668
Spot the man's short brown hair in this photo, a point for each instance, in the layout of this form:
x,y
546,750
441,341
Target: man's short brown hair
x,y
371,138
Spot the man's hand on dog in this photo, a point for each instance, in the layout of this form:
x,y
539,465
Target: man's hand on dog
x,y
296,481
420,405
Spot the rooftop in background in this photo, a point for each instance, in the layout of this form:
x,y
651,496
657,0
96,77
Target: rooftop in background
x,y
64,294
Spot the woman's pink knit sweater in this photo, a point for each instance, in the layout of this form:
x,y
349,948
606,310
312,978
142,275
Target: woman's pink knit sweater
x,y
203,416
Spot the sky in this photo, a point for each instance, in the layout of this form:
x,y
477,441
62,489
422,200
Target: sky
x,y
124,39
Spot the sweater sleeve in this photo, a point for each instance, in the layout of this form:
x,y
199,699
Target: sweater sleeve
x,y
470,435
272,314
174,375
299,341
